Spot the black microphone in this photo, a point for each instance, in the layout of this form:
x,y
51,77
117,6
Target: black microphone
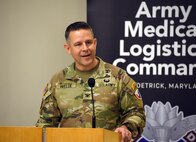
x,y
91,84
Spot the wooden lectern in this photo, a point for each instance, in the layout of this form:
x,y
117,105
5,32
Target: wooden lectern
x,y
81,135
35,134
20,134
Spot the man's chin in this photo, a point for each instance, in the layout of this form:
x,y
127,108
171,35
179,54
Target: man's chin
x,y
87,59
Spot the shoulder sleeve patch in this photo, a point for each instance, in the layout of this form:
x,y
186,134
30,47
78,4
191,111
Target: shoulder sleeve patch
x,y
137,94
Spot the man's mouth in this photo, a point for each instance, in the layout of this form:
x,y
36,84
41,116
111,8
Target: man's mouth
x,y
86,55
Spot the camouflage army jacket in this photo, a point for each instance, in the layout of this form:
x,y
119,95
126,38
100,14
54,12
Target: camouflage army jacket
x,y
67,100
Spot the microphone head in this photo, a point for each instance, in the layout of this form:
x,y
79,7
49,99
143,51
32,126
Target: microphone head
x,y
91,82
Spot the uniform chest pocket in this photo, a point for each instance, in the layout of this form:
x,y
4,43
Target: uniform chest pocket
x,y
107,95
68,94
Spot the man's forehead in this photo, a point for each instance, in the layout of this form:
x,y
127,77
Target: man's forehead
x,y
81,31
81,34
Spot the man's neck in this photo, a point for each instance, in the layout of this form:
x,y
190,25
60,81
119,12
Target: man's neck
x,y
88,68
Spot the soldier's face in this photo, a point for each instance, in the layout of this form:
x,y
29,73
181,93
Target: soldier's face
x,y
82,46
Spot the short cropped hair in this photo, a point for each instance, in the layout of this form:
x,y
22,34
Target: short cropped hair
x,y
77,26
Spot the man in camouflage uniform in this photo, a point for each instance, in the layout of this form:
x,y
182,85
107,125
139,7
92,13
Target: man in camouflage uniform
x,y
67,100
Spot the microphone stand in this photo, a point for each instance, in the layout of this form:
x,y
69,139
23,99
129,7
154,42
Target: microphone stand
x,y
91,83
93,117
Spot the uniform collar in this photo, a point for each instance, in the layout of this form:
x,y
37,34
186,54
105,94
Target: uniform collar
x,y
70,72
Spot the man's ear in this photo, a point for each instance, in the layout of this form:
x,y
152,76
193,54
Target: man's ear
x,y
67,48
95,41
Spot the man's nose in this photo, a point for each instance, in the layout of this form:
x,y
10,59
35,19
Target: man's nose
x,y
84,47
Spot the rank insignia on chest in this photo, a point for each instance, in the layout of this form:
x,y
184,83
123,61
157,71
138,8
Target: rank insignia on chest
x,y
87,96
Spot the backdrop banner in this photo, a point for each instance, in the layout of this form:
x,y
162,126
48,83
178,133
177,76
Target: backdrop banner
x,y
155,42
